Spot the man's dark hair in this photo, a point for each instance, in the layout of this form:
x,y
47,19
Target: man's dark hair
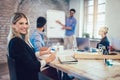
x,y
73,10
41,21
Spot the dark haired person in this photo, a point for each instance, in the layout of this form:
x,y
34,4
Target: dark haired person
x,y
37,40
69,26
20,49
37,37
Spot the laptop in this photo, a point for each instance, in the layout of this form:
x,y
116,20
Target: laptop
x,y
83,44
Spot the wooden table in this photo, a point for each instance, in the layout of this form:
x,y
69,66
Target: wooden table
x,y
89,69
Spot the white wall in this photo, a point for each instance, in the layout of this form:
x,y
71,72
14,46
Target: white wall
x,y
113,21
113,17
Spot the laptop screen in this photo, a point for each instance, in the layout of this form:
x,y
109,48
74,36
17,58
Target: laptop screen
x,y
83,43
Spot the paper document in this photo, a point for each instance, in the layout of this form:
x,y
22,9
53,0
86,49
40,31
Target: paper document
x,y
67,59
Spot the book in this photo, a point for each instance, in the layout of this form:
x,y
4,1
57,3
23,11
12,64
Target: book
x,y
67,59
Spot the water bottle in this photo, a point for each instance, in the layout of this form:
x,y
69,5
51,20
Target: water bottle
x,y
109,62
58,44
100,49
74,45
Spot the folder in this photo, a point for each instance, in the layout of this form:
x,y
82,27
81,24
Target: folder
x,y
67,59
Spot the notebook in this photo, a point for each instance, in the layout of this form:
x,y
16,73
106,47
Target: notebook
x,y
67,59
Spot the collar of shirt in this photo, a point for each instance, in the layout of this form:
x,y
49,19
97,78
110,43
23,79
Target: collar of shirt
x,y
39,32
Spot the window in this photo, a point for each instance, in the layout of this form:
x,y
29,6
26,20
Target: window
x,y
94,17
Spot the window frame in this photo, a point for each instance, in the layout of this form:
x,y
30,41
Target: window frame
x,y
95,17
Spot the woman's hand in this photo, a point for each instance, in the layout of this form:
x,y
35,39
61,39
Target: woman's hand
x,y
48,51
50,58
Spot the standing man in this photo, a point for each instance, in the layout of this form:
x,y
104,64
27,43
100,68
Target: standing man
x,y
70,29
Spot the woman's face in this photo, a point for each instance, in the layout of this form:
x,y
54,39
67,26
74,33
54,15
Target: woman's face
x,y
21,26
101,32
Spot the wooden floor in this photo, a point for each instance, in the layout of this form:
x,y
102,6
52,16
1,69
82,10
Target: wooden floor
x,y
4,73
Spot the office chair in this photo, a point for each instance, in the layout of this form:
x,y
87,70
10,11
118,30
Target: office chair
x,y
11,67
41,76
12,70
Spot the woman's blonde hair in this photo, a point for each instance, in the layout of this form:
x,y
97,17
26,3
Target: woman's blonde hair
x,y
13,33
104,29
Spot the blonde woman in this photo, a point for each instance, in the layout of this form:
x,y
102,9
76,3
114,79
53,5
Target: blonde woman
x,y
104,41
20,49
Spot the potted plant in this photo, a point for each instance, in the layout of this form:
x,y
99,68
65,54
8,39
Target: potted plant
x,y
86,35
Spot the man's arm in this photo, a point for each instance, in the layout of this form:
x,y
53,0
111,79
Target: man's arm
x,y
37,43
38,46
43,48
63,26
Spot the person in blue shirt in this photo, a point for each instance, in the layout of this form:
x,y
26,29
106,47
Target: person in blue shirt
x,y
37,40
69,26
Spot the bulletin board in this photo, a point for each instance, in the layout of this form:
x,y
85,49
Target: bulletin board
x,y
54,30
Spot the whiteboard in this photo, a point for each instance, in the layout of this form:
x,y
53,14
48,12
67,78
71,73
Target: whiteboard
x,y
54,30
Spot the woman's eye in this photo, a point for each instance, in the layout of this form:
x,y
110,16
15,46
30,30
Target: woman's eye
x,y
21,23
26,23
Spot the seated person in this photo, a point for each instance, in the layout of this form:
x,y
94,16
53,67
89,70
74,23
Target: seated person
x,y
37,40
27,65
104,41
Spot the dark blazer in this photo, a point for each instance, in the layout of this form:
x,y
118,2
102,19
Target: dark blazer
x,y
104,42
26,63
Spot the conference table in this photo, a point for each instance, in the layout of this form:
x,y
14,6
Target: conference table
x,y
88,69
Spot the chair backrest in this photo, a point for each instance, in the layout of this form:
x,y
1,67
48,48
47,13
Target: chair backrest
x,y
115,43
12,70
41,76
11,67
